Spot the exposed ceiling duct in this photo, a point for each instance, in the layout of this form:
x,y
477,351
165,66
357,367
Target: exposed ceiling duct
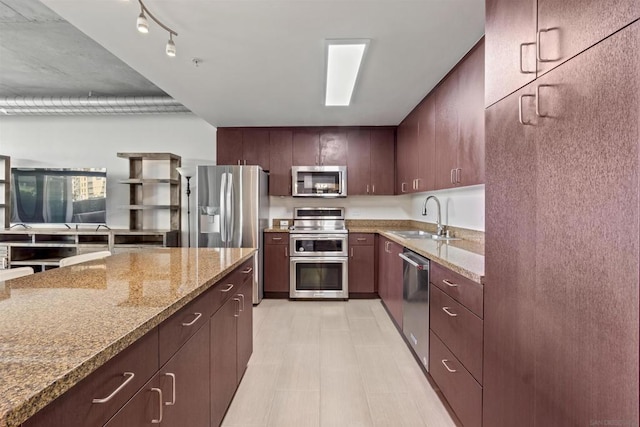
x,y
95,105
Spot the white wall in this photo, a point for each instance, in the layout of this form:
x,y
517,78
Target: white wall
x,y
461,207
93,141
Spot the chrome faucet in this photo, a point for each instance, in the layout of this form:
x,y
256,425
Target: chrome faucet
x,y
439,218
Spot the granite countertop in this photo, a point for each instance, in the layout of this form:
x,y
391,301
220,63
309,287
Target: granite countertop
x,y
465,256
58,326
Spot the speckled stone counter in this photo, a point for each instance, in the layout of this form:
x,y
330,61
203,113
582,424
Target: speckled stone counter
x,y
59,326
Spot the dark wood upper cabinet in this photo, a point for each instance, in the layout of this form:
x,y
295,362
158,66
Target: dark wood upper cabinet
x,y
382,161
229,146
426,145
470,106
446,101
280,161
255,147
358,162
333,148
306,147
407,154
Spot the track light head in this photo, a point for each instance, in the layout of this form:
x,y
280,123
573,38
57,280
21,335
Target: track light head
x,y
171,46
142,23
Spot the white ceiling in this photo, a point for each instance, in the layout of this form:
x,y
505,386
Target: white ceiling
x,y
263,60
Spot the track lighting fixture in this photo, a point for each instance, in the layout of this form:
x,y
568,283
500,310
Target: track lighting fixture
x,y
143,26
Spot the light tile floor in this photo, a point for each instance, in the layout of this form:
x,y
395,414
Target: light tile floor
x,y
331,364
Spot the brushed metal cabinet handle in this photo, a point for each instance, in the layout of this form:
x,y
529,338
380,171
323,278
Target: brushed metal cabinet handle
x,y
520,107
276,238
451,176
458,174
402,187
373,188
198,315
538,47
247,271
367,188
229,287
447,310
129,375
444,362
448,283
538,113
242,296
286,252
522,70
173,388
237,314
361,239
351,252
159,420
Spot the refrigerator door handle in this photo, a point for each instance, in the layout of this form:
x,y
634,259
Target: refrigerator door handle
x,y
230,213
223,207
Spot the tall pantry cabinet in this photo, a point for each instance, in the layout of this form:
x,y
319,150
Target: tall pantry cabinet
x,y
561,321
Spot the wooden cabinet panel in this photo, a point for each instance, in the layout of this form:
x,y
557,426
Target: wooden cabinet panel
x,y
255,147
361,239
395,283
407,154
471,118
446,99
280,161
228,146
459,329
509,23
245,329
382,162
142,410
333,148
358,162
586,299
383,268
465,291
75,407
570,26
176,330
426,145
276,263
223,366
462,392
185,383
510,257
402,152
306,147
361,269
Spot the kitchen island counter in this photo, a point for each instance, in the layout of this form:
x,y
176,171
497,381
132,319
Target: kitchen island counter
x,y
59,326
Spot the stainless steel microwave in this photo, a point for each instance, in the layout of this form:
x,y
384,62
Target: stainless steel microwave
x,y
319,181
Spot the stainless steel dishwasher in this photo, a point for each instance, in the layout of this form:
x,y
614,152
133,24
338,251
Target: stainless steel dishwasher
x,y
415,304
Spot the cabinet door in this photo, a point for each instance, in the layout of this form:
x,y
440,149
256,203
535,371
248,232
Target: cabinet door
x,y
471,118
361,270
382,162
255,147
508,394
426,145
306,147
333,148
358,162
145,409
276,267
403,184
185,383
446,98
223,367
510,28
280,158
567,27
229,146
395,283
586,319
245,329
383,269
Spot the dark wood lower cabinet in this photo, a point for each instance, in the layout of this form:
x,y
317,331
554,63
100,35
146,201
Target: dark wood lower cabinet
x,y
145,409
390,278
245,329
362,277
276,264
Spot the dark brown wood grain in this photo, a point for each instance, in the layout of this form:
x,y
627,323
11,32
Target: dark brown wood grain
x,y
244,328
460,331
426,145
306,147
276,263
141,410
223,365
383,161
358,162
280,162
229,146
446,124
465,291
333,147
255,147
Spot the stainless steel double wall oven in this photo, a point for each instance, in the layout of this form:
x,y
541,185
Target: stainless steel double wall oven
x,y
319,254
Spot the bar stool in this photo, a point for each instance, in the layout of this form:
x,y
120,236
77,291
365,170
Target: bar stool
x,y
77,259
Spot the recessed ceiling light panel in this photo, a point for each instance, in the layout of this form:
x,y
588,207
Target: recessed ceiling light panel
x,y
344,58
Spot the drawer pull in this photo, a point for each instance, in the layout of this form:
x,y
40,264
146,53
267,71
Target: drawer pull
x,y
276,238
173,389
129,376
242,307
351,252
448,283
159,420
198,315
237,314
248,270
361,239
230,286
444,362
446,310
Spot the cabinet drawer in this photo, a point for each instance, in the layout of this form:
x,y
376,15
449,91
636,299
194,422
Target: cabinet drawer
x,y
462,392
361,239
230,284
465,291
76,407
176,330
459,329
276,238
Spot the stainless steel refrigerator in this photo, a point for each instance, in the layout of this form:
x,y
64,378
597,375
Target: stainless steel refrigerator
x,y
233,211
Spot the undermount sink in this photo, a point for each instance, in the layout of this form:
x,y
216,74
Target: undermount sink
x,y
419,234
